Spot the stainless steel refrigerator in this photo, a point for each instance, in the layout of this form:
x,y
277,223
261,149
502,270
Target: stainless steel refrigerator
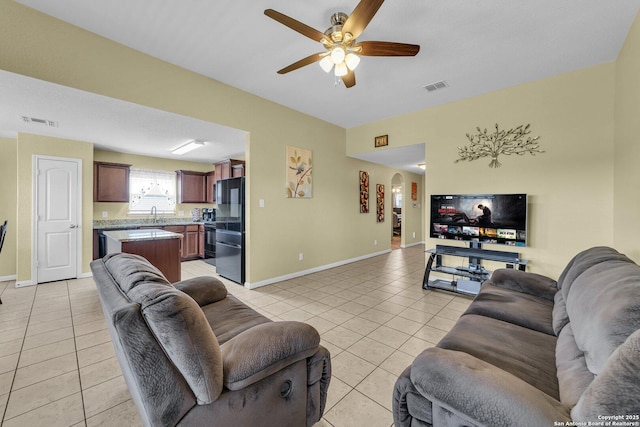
x,y
230,225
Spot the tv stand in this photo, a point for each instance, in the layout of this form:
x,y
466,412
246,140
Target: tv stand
x,y
467,279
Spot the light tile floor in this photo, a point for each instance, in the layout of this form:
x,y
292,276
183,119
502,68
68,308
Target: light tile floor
x,y
58,367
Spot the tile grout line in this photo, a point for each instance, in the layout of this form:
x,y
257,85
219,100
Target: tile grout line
x,y
75,346
15,371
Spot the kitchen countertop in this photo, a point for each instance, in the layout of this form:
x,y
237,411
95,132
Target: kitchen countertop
x,y
111,224
140,235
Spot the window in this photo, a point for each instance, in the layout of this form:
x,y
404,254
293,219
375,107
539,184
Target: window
x,y
148,188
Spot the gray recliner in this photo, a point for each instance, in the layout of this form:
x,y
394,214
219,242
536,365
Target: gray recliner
x,y
193,355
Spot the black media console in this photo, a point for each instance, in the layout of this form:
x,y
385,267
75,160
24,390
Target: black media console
x,y
470,277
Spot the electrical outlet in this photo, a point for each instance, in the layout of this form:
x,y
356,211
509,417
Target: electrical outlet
x,y
105,214
375,243
300,256
414,234
262,203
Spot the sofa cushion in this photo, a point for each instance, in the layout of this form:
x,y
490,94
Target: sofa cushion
x,y
129,270
230,317
204,290
523,352
514,307
265,349
616,391
604,309
180,327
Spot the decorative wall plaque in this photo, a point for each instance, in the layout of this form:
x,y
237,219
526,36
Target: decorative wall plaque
x,y
364,192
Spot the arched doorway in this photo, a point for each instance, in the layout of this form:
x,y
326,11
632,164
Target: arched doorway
x,y
397,196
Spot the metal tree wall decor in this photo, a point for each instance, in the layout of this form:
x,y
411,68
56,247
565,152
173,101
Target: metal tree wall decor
x,y
506,142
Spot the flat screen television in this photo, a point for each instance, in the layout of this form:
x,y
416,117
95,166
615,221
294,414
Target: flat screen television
x,y
482,218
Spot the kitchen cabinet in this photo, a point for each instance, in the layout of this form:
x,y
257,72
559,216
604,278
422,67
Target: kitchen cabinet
x,y
210,179
192,187
110,182
225,169
228,169
191,245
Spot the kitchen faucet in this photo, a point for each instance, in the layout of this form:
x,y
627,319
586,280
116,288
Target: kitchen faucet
x,y
154,212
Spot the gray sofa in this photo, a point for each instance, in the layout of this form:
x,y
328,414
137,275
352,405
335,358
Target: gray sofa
x,y
193,355
530,351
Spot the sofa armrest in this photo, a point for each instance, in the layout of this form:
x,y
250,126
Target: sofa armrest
x,y
204,289
481,393
265,349
521,281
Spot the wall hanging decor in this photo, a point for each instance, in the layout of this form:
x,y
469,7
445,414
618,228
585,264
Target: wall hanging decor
x,y
364,192
506,142
414,191
381,141
299,167
380,203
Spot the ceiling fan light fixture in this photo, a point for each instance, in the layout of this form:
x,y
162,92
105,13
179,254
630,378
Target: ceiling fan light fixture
x,y
352,60
337,55
326,64
341,69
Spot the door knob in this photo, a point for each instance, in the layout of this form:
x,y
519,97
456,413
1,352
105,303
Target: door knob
x,y
73,226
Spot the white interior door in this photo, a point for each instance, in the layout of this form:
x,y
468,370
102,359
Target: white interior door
x,y
57,219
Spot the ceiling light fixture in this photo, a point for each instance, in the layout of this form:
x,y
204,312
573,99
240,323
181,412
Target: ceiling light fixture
x,y
343,59
189,146
422,166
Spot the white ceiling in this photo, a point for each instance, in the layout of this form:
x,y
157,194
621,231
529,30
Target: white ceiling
x,y
475,46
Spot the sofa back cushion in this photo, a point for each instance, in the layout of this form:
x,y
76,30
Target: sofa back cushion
x,y
176,321
603,307
574,269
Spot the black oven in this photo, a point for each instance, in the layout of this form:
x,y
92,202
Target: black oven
x,y
209,240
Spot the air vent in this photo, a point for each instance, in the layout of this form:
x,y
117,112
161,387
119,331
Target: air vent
x,y
49,123
435,86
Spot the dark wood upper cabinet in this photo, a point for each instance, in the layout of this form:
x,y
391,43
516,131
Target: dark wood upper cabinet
x,y
210,179
224,170
110,182
192,187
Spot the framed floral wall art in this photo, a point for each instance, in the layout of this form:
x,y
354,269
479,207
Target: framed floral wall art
x,y
364,192
298,172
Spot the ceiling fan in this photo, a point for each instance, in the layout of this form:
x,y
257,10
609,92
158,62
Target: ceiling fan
x,y
342,50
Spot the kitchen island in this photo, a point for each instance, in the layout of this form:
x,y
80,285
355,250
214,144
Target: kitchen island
x,y
160,247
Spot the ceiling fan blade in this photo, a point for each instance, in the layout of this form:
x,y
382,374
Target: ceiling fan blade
x,y
349,79
298,26
305,61
361,16
387,49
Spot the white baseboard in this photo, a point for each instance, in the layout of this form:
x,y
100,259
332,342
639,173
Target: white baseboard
x,y
7,278
412,244
23,283
311,270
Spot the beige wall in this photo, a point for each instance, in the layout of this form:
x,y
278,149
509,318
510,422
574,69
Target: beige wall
x,y
8,208
627,147
121,210
326,228
569,186
29,146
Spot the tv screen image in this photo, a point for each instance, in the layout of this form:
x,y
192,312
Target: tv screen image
x,y
483,218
